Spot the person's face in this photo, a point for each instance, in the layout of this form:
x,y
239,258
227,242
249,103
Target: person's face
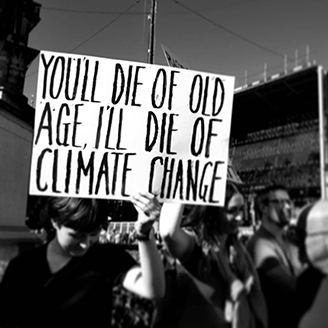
x,y
279,207
235,212
73,242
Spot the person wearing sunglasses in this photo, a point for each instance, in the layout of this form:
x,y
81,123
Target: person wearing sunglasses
x,y
288,284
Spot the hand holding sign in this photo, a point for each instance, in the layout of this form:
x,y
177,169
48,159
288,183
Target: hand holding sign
x,y
149,210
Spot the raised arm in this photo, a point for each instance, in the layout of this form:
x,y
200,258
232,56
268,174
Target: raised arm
x,y
147,280
179,242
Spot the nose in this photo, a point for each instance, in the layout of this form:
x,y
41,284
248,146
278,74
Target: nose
x,y
288,206
239,216
85,243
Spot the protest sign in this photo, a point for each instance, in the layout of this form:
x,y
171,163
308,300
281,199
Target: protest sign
x,y
108,128
232,174
173,60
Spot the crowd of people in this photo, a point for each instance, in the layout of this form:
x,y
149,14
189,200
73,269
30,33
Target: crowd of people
x,y
201,274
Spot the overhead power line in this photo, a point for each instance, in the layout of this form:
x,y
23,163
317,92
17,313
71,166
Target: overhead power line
x,y
229,31
110,23
97,32
89,11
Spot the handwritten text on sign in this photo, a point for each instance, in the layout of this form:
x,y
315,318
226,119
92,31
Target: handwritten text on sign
x,y
106,129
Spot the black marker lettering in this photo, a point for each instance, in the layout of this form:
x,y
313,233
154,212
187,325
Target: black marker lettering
x,y
89,169
45,77
58,60
46,115
75,124
199,122
39,170
103,171
126,169
99,126
54,172
69,76
66,125
197,80
154,96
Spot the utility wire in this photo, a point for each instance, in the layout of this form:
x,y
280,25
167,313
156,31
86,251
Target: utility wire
x,y
96,33
88,11
111,22
229,31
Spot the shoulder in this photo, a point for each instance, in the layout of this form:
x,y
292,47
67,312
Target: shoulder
x,y
260,237
33,255
260,247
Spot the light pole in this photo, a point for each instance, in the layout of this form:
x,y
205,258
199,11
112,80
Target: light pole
x,y
151,39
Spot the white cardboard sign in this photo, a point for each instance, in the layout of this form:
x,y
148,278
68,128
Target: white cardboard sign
x,y
108,128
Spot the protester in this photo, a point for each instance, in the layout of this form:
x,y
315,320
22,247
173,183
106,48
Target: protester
x,y
68,281
289,285
220,286
310,233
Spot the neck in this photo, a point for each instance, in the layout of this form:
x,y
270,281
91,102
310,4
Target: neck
x,y
56,256
272,227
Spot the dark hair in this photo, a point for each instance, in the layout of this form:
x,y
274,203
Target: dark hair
x,y
81,214
210,222
262,197
231,189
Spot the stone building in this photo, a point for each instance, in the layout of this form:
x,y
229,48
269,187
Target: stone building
x,y
17,19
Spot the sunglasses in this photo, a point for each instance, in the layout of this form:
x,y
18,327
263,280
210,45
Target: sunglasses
x,y
280,202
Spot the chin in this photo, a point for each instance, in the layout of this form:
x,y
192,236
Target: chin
x,y
234,227
78,253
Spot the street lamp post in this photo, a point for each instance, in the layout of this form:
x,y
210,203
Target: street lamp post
x,y
151,39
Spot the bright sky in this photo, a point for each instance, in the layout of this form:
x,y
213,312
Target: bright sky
x,y
225,37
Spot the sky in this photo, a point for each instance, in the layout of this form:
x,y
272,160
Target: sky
x,y
240,38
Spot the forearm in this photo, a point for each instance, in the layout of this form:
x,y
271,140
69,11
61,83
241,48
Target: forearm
x,y
152,269
170,220
177,241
